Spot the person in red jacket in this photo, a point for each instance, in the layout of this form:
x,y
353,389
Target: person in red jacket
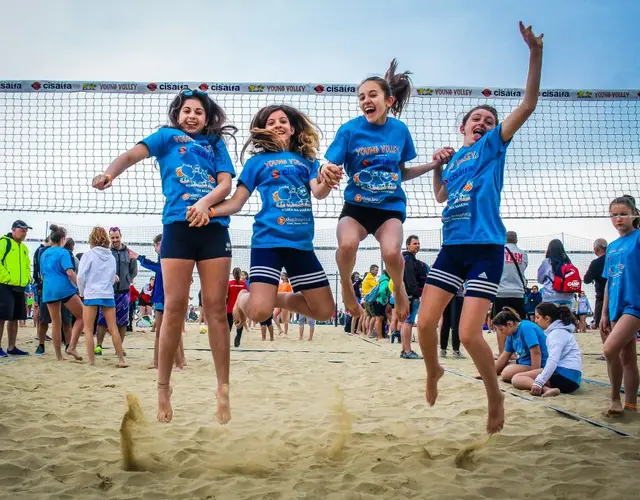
x,y
133,298
235,285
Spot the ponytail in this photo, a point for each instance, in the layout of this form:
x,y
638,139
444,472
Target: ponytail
x,y
57,233
396,85
555,312
507,314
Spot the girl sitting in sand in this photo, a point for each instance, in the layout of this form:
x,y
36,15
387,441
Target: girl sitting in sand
x,y
563,371
524,338
96,276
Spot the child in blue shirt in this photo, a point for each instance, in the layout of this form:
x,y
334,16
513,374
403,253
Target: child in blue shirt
x,y
60,286
524,338
284,171
374,149
620,321
196,172
474,236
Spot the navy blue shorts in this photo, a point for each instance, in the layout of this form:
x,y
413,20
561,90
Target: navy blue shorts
x,y
479,266
179,241
303,268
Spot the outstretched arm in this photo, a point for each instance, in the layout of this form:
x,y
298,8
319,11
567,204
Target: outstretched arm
x,y
329,176
518,116
137,153
233,205
409,173
198,213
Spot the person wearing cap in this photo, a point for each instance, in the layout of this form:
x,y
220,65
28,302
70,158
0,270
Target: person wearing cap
x,y
15,275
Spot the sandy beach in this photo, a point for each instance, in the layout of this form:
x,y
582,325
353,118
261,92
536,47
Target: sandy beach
x,y
336,418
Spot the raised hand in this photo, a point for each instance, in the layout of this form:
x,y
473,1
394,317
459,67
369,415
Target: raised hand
x,y
534,42
102,182
132,254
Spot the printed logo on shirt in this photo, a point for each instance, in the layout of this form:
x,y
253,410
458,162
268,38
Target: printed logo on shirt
x,y
376,180
281,221
183,150
290,197
275,174
358,198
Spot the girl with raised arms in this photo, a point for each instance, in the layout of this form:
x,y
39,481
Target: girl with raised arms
x,y
284,170
196,173
374,148
473,234
620,320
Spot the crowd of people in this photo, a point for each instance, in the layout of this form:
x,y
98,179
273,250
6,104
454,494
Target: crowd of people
x,y
472,273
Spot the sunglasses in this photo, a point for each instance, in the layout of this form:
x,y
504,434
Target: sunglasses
x,y
190,93
114,229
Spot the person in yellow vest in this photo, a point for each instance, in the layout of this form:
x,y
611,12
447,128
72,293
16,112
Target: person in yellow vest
x,y
368,284
15,275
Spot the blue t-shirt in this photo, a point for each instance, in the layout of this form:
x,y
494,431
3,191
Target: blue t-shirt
x,y
372,155
286,218
622,270
189,167
527,335
53,268
474,179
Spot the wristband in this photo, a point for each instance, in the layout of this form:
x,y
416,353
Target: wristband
x,y
109,176
212,213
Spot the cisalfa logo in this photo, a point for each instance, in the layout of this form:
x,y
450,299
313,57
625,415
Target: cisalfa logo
x,y
36,85
319,89
203,87
486,92
152,87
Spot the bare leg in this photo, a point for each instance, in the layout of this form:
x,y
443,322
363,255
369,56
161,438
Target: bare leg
x,y
176,300
629,359
74,304
622,333
56,321
350,234
89,318
214,275
317,303
390,237
434,301
110,317
158,321
471,321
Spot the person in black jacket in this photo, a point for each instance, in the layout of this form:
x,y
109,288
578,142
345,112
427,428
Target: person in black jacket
x,y
415,276
41,315
594,275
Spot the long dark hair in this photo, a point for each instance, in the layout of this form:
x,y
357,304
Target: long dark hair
x,y
214,127
557,312
305,139
394,84
630,202
486,107
557,255
236,274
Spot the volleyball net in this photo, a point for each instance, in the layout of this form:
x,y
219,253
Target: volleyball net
x,y
579,150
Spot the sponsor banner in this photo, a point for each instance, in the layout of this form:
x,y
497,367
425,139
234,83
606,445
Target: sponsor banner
x,y
343,89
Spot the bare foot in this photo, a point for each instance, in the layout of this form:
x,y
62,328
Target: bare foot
x,y
551,393
122,364
61,358
178,368
432,385
351,304
402,304
223,412
75,354
615,410
152,366
495,418
165,412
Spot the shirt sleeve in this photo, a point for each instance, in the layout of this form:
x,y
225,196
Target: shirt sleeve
x,y
223,161
605,270
530,338
83,268
156,143
409,150
543,271
493,142
249,174
337,152
314,170
66,261
555,344
508,346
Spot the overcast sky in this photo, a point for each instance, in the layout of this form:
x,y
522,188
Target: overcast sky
x,y
588,44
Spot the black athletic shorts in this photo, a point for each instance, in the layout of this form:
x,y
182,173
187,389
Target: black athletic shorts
x,y
13,305
516,303
267,322
561,382
370,218
179,241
